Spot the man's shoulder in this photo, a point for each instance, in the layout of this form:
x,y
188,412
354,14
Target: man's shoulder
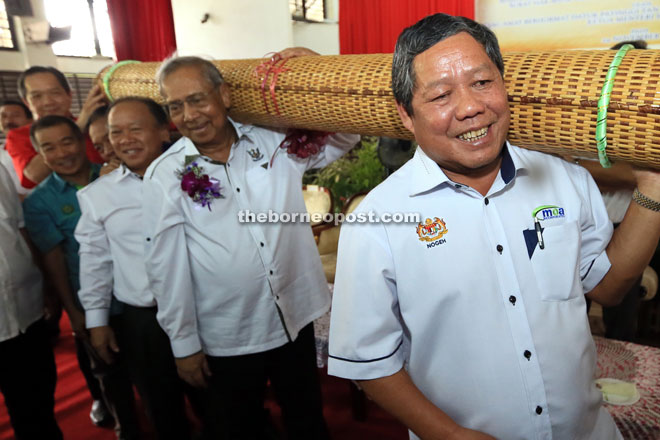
x,y
101,185
169,161
19,136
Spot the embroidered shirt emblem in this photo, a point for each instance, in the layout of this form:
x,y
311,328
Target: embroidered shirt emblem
x,y
255,154
67,209
432,230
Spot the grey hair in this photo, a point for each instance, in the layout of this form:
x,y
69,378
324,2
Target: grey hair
x,y
422,36
174,63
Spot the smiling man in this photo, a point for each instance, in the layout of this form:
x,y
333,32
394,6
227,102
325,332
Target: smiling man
x,y
51,215
46,92
110,233
473,324
236,300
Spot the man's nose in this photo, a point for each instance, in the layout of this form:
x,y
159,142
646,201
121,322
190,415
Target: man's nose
x,y
189,112
469,103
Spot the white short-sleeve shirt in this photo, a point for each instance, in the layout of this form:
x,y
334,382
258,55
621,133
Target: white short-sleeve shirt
x,y
492,328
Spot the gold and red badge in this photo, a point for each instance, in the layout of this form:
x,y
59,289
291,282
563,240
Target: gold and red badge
x,y
431,230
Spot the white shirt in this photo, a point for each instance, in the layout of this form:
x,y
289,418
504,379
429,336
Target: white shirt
x,y
21,293
111,236
222,286
492,328
5,160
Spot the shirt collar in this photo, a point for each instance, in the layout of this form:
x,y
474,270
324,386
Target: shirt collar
x,y
123,171
243,131
428,175
61,185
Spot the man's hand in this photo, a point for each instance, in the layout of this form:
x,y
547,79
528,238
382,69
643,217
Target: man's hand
x,y
194,369
104,342
648,182
110,166
292,52
77,320
95,99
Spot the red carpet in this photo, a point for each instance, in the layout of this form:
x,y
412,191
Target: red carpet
x,y
73,402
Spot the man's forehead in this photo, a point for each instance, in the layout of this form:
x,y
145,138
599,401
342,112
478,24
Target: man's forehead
x,y
138,112
11,108
185,81
42,81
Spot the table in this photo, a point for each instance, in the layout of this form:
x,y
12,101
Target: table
x,y
639,364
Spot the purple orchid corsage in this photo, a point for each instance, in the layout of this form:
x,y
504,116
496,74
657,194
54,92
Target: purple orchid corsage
x,y
201,188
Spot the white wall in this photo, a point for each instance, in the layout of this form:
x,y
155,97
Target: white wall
x,y
320,37
247,29
235,29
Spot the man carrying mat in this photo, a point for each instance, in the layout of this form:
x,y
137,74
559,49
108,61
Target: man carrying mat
x,y
472,325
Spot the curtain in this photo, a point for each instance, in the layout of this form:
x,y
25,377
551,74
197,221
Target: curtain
x,y
143,30
372,26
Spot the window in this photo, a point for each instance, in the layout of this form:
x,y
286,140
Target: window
x,y
307,10
90,27
6,29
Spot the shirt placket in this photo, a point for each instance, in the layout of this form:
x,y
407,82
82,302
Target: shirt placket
x,y
509,289
235,168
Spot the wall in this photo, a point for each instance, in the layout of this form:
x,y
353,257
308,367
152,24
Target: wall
x,y
235,29
248,29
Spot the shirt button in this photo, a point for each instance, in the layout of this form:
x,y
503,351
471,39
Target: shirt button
x,y
499,248
539,410
512,300
486,201
238,190
527,354
262,244
271,272
148,238
458,186
277,297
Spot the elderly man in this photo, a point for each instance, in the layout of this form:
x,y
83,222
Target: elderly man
x,y
237,300
27,370
110,233
473,324
46,91
51,215
13,114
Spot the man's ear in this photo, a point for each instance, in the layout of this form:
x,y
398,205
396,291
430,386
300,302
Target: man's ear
x,y
225,94
164,134
405,117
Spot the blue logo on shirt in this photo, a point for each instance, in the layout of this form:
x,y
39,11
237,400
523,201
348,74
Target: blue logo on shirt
x,y
547,212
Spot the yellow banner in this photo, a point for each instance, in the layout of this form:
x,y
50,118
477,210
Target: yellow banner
x,y
524,25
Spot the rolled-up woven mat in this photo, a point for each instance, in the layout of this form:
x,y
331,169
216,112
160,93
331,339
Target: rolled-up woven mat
x,y
553,98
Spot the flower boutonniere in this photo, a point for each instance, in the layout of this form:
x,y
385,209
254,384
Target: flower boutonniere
x,y
201,188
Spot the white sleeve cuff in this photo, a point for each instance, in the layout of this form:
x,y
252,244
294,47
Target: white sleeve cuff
x,y
366,369
186,346
599,267
97,317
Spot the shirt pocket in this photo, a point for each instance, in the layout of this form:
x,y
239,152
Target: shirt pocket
x,y
556,267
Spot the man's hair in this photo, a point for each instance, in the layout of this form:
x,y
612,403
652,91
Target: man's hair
x,y
636,44
54,121
156,110
41,69
99,113
174,63
26,110
422,36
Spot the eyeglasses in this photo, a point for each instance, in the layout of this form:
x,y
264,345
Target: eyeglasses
x,y
196,100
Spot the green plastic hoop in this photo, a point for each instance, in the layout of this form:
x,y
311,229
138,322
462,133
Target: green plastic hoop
x,y
603,103
108,75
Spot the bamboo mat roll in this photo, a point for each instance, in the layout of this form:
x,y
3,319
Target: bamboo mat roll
x,y
553,98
